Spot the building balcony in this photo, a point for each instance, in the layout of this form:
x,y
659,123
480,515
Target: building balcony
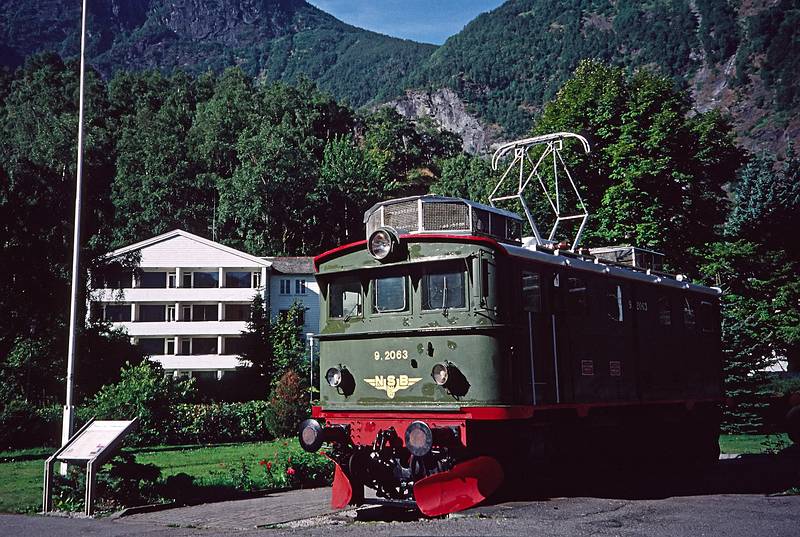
x,y
201,362
183,328
179,294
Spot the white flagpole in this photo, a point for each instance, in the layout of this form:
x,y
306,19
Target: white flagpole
x,y
68,421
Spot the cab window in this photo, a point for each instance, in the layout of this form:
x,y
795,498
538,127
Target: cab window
x,y
444,290
345,299
389,294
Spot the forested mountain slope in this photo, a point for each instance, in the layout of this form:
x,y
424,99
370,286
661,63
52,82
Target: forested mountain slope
x,y
273,39
739,55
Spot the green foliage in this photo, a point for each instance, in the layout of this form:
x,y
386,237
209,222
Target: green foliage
x,y
219,422
146,393
289,405
465,176
757,269
654,177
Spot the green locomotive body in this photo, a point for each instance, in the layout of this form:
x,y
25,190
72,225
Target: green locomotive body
x,y
443,340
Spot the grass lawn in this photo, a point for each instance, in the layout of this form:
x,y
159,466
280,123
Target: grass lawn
x,y
21,471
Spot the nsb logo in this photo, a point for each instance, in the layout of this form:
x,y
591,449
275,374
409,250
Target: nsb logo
x,y
391,384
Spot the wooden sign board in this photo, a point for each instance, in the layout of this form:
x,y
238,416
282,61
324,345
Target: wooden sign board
x,y
93,440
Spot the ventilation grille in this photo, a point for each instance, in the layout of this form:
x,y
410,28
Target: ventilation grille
x,y
445,217
401,216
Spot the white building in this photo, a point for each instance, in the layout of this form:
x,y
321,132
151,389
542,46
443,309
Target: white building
x,y
292,282
187,301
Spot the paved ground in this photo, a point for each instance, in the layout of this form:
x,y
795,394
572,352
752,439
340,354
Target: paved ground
x,y
736,498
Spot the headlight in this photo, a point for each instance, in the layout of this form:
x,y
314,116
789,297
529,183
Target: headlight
x,y
382,243
440,374
419,439
334,376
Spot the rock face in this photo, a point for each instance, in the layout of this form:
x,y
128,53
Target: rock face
x,y
449,112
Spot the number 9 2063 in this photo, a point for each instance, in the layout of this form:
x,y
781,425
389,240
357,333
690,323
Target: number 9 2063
x,y
399,354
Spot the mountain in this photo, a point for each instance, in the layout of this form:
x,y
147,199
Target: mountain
x,y
740,56
275,39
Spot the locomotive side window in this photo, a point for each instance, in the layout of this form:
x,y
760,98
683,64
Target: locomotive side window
x,y
706,316
443,290
576,296
688,314
531,292
613,300
389,294
664,311
345,299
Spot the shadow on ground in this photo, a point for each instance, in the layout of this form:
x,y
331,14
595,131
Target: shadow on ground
x,y
654,479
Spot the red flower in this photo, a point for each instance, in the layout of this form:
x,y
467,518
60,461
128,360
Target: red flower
x,y
290,471
321,452
262,462
269,465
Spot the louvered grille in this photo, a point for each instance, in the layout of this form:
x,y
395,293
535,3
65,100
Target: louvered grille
x,y
445,217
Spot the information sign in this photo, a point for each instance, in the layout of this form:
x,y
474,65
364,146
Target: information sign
x,y
93,445
92,441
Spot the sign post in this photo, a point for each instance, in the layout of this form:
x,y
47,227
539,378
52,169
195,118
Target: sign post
x,y
94,444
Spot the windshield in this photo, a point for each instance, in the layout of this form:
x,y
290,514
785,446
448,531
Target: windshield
x,y
443,290
345,299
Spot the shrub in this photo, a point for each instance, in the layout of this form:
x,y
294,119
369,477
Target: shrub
x,y
220,422
21,426
288,406
143,391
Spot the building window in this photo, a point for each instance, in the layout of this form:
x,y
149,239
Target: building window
x,y
187,279
300,287
234,345
238,280
286,287
205,280
171,346
172,279
531,292
152,313
153,280
151,346
171,313
113,277
186,313
204,345
186,347
443,291
300,321
117,313
256,280
204,312
237,312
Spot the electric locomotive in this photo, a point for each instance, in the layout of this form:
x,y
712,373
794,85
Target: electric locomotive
x,y
454,351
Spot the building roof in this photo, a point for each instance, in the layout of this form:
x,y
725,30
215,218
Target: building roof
x,y
260,261
292,265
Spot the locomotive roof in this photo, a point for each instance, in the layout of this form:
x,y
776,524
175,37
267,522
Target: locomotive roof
x,y
598,267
